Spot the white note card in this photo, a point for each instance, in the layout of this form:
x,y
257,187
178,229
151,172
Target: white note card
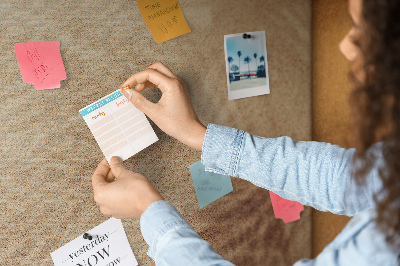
x,y
108,247
118,126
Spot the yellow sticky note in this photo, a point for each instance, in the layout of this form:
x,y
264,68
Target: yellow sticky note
x,y
164,18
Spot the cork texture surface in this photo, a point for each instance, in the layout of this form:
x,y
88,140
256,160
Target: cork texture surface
x,y
48,154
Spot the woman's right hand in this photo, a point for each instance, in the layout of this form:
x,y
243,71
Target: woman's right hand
x,y
173,113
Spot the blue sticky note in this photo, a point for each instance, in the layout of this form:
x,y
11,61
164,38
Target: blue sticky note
x,y
209,186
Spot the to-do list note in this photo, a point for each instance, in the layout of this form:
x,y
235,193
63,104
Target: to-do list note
x,y
118,126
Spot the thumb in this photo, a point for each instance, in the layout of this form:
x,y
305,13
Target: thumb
x,y
116,166
138,100
100,174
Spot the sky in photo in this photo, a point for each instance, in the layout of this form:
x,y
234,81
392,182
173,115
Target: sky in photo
x,y
248,47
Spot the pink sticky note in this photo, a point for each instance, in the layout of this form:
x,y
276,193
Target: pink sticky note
x,y
284,209
41,64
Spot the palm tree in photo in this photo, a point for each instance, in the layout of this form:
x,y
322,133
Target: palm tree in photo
x,y
262,72
255,58
239,54
230,60
247,60
262,59
234,68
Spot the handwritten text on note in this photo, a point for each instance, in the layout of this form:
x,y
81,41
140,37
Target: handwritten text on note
x,y
118,126
41,64
209,186
164,18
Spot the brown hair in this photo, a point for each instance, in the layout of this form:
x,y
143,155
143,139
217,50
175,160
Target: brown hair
x,y
375,103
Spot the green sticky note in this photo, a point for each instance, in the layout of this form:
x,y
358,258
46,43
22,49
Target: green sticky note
x,y
209,186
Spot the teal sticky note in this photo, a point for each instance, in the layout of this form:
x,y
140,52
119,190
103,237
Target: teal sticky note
x,y
209,186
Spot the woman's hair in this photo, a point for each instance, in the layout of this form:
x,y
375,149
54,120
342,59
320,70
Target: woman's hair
x,y
375,102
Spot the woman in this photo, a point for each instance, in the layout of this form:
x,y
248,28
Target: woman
x,y
294,170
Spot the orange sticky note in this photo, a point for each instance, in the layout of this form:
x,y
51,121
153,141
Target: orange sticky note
x,y
41,63
164,18
284,209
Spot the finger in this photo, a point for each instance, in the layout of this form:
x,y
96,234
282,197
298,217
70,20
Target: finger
x,y
159,80
143,86
138,87
117,167
100,174
160,67
110,177
140,102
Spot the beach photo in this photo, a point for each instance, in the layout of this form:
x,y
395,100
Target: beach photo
x,y
246,64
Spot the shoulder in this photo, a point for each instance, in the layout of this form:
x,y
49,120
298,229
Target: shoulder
x,y
362,242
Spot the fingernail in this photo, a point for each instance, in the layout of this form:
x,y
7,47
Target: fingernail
x,y
115,160
124,88
129,92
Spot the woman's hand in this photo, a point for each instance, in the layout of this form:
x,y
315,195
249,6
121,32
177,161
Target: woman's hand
x,y
174,113
128,196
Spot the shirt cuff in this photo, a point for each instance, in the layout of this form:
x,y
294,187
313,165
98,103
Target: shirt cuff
x,y
159,218
221,150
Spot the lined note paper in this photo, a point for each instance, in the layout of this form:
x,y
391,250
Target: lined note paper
x,y
41,64
164,18
118,126
284,209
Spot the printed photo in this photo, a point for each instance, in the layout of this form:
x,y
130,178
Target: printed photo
x,y
246,64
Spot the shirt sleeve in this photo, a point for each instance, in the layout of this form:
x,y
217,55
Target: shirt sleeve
x,y
313,173
172,240
359,243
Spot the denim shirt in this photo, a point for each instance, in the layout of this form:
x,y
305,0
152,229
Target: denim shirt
x,y
312,173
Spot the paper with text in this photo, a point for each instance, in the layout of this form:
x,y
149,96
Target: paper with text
x,y
118,126
284,209
41,64
209,186
109,246
164,18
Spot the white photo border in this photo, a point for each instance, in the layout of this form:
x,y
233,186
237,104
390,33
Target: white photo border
x,y
247,92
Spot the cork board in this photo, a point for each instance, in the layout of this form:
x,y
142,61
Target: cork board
x,y
48,154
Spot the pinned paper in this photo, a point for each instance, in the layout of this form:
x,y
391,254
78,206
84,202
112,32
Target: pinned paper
x,y
118,126
284,209
246,64
164,18
108,246
209,186
41,64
